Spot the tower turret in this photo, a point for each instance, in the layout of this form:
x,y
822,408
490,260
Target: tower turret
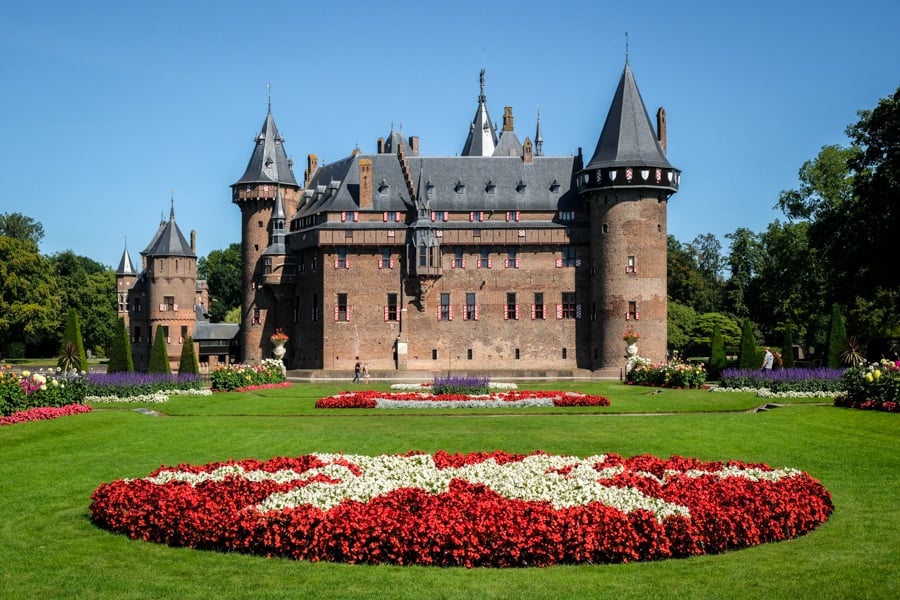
x,y
269,175
482,139
626,185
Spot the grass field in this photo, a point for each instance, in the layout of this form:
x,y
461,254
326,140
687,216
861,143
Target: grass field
x,y
50,549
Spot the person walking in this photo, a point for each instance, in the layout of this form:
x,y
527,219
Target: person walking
x,y
768,360
365,372
357,368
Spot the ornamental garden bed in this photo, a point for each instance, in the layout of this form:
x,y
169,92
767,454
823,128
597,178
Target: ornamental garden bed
x,y
480,509
507,399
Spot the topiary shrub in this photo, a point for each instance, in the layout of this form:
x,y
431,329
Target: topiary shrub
x,y
747,356
120,359
836,343
159,354
188,364
717,358
72,356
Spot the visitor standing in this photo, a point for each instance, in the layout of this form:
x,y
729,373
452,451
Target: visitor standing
x,y
365,372
768,360
356,370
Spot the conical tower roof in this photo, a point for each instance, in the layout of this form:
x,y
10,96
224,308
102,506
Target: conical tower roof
x,y
169,240
269,162
628,138
482,139
126,267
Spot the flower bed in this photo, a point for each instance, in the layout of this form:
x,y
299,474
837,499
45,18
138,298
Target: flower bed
x,y
229,378
43,413
674,373
814,379
481,509
875,386
25,390
509,399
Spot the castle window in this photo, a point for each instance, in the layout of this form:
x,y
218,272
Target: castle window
x,y
391,309
168,304
484,261
469,354
538,310
565,353
184,334
341,309
471,313
122,306
567,215
259,224
605,228
518,354
511,309
568,257
386,262
512,261
165,330
256,316
267,265
632,311
137,305
568,308
434,354
630,266
445,310
341,262
458,261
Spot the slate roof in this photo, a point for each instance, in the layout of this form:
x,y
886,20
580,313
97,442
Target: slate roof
x,y
628,138
269,163
168,240
126,267
482,138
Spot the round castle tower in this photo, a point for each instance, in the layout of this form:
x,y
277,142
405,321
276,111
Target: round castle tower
x,y
626,185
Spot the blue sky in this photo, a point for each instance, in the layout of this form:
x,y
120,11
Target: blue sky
x,y
107,106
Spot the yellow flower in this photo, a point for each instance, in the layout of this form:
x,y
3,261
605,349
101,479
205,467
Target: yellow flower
x,y
877,373
868,378
26,373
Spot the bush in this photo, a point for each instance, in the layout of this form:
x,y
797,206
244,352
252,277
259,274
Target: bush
x,y
815,379
33,390
234,377
872,387
674,373
717,358
159,354
73,357
188,363
748,357
120,359
455,384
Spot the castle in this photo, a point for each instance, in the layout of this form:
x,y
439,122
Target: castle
x,y
500,258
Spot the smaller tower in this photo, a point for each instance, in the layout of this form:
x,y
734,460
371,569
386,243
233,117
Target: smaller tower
x,y
482,139
125,276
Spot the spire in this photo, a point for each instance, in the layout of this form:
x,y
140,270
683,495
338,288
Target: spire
x,y
628,138
276,240
538,135
482,139
168,240
269,163
126,267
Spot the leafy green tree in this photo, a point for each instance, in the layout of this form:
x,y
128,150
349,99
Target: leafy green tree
x,y
836,343
728,327
29,306
120,358
717,359
222,271
72,355
686,284
233,315
159,354
89,288
20,227
188,363
681,320
747,356
744,262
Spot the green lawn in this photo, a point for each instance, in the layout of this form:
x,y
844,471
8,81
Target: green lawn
x,y
50,549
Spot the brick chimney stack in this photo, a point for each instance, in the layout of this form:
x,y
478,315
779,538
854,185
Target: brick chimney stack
x,y
365,183
661,127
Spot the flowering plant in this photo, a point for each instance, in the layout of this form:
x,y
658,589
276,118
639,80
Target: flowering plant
x,y
631,335
875,386
508,399
674,373
279,336
229,378
491,509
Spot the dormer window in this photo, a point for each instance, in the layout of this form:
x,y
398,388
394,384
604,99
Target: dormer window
x,y
383,187
554,186
269,161
520,187
490,187
429,187
460,187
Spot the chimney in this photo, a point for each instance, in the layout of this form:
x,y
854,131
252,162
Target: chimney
x,y
194,241
507,118
380,145
661,127
365,183
528,152
312,163
414,145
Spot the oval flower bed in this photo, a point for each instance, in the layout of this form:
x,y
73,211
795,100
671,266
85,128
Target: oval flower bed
x,y
44,413
480,509
509,399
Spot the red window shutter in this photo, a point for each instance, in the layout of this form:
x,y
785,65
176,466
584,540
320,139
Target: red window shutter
x,y
355,216
450,312
446,215
337,312
464,264
533,312
559,311
433,216
465,313
476,312
518,214
380,264
336,264
343,216
348,313
506,264
471,216
517,311
506,311
637,316
391,263
627,317
477,263
385,216
558,263
438,312
507,216
490,262
385,312
545,313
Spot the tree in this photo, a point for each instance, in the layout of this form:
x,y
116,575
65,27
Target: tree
x,y
837,339
222,271
744,262
787,348
89,288
72,355
29,306
159,354
188,363
686,284
717,359
22,228
681,320
747,357
120,358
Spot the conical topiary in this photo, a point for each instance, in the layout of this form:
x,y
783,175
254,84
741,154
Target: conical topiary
x,y
717,359
159,354
120,359
72,356
787,348
188,363
748,358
